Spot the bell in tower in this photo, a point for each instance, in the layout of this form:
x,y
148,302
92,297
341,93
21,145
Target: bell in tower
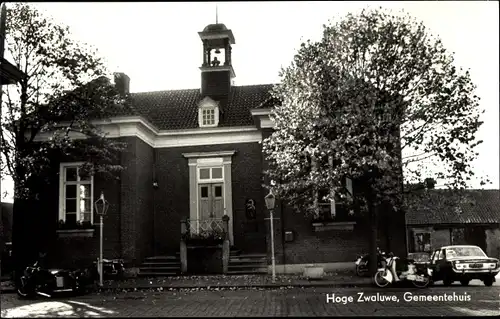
x,y
216,70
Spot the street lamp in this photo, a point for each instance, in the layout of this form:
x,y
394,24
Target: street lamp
x,y
270,200
101,207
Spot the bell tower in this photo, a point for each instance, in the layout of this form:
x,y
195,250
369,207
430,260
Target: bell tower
x,y
217,70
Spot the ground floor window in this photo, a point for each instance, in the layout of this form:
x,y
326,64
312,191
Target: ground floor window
x,y
422,242
75,195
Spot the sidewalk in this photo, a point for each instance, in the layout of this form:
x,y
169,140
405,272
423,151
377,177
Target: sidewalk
x,y
228,282
238,281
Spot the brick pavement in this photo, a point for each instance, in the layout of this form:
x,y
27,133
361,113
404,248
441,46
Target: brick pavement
x,y
255,302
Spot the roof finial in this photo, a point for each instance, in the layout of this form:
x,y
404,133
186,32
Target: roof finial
x,y
216,15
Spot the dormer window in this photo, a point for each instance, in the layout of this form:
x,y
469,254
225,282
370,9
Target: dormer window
x,y
208,113
208,117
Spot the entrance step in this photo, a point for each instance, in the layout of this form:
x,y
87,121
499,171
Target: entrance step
x,y
159,266
162,258
156,274
255,271
246,264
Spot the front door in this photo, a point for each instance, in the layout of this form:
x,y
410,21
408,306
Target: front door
x,y
211,199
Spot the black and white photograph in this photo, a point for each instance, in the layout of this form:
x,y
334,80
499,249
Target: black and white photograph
x,y
249,159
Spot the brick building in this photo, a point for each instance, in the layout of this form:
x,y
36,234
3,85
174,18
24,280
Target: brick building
x,y
194,155
444,218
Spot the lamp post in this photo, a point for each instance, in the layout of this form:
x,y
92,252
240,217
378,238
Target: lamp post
x,y
270,202
101,207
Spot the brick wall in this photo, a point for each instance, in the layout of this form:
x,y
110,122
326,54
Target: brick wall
x,y
145,197
128,200
76,251
493,242
440,237
324,246
310,246
128,223
172,195
136,200
215,83
279,213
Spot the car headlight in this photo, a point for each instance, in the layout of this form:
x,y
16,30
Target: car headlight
x,y
457,265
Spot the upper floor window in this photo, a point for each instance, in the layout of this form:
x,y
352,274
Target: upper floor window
x,y
208,117
75,195
208,113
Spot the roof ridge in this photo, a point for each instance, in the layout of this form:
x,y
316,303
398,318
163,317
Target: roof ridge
x,y
197,89
162,91
265,84
466,190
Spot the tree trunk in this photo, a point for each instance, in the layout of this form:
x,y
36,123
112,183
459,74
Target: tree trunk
x,y
23,237
373,264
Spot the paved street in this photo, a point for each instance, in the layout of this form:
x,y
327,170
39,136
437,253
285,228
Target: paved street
x,y
480,300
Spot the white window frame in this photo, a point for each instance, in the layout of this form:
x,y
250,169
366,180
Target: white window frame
x,y
216,117
62,191
207,104
318,201
210,179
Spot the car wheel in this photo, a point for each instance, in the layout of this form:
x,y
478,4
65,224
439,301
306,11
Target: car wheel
x,y
25,293
464,282
488,282
422,284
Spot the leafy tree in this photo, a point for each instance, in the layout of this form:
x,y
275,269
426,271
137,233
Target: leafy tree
x,y
66,85
374,85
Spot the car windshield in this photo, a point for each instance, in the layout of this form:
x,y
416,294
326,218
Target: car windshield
x,y
465,252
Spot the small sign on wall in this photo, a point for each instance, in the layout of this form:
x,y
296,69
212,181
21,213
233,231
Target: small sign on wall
x,y
288,236
250,209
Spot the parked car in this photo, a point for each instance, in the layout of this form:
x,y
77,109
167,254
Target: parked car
x,y
463,263
38,280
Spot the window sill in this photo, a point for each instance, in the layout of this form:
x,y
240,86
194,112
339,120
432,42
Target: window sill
x,y
75,232
325,226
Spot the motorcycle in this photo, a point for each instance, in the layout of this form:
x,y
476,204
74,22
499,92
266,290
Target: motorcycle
x,y
362,262
398,270
111,268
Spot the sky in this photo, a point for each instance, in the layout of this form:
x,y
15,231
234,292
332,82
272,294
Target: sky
x,y
158,47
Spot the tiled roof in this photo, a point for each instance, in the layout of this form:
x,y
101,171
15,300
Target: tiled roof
x,y
178,109
446,207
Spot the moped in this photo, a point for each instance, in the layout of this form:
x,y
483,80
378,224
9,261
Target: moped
x,y
398,270
362,265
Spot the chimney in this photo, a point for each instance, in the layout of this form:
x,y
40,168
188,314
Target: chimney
x,y
122,83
